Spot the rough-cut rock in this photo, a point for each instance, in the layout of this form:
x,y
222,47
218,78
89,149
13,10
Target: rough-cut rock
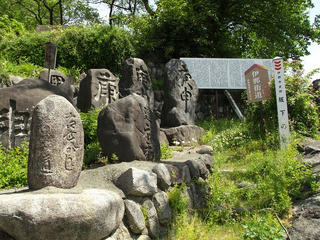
x,y
56,144
136,79
205,149
92,214
137,182
197,169
98,88
122,233
128,129
208,161
185,135
143,237
163,138
59,80
161,203
163,176
181,95
311,153
306,219
134,217
16,107
179,173
153,221
158,103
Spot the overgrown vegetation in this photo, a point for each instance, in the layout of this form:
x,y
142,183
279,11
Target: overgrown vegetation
x,y
13,166
92,148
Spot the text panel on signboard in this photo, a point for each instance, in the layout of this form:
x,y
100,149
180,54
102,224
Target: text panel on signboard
x,y
257,82
222,73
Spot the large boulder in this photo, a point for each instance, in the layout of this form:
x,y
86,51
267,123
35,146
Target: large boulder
x,y
136,79
98,88
136,182
128,129
306,219
153,221
180,96
184,135
91,214
16,107
56,144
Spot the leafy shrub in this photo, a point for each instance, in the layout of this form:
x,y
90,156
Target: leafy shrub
x,y
92,149
177,200
79,47
303,112
13,166
263,227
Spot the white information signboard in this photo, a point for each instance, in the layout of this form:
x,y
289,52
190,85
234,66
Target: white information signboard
x,y
281,101
222,73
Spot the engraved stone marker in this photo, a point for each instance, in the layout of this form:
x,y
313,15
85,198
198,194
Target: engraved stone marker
x,y
128,129
136,79
181,95
98,88
50,55
56,144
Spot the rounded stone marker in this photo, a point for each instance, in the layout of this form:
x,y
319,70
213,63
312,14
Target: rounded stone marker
x,y
56,144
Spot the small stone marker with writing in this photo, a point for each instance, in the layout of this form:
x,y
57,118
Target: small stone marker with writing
x,y
56,144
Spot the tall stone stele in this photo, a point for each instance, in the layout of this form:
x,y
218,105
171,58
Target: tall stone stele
x,y
56,144
99,88
181,94
136,79
128,129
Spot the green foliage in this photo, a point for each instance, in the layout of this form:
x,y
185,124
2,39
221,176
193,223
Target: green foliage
x,y
178,200
79,48
13,166
92,149
303,111
27,70
224,29
263,227
166,151
8,25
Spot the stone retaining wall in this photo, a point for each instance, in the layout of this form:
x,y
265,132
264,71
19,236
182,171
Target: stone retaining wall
x,y
115,202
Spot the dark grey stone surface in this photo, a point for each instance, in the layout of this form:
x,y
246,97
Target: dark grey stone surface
x,y
136,79
16,106
98,88
59,80
128,129
306,219
56,144
181,94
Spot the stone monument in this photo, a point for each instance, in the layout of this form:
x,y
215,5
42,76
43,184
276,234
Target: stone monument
x,y
56,144
59,80
180,96
136,79
16,106
128,129
98,88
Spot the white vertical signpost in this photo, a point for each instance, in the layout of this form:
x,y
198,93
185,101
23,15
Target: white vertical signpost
x,y
280,85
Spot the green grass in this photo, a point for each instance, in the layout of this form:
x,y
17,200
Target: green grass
x,y
274,178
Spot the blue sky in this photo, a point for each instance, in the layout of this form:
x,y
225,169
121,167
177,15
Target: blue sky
x,y
313,60
310,62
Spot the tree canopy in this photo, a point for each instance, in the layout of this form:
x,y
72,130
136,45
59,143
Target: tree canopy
x,y
49,12
225,28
